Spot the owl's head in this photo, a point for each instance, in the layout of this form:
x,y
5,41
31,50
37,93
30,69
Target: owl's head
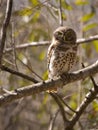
x,y
65,35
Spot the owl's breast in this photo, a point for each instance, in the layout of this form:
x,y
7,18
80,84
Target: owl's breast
x,y
70,59
61,62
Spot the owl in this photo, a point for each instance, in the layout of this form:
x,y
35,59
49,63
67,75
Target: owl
x,y
62,52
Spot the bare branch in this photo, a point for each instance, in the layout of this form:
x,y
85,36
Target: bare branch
x,y
60,14
51,6
30,68
13,45
86,40
26,45
51,125
46,43
88,99
62,100
57,100
48,85
5,26
4,68
92,79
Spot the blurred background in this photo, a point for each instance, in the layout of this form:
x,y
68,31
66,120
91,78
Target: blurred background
x,y
35,21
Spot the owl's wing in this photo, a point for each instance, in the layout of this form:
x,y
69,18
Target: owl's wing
x,y
49,54
53,48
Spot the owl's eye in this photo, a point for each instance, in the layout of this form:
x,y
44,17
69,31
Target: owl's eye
x,y
60,34
70,35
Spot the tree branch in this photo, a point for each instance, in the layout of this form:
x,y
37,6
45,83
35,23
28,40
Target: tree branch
x,y
86,40
88,99
5,26
45,43
57,100
51,125
48,85
4,68
60,13
90,96
62,100
26,45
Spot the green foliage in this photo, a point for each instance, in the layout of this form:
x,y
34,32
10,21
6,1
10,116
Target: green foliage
x,y
64,16
33,36
96,44
87,17
22,58
25,12
73,102
34,2
35,17
45,75
46,98
95,105
42,55
81,2
89,26
65,5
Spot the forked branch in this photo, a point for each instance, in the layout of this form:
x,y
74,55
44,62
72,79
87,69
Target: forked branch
x,y
48,85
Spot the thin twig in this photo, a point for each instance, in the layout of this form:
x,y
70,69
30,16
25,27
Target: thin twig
x,y
5,26
90,96
1,2
51,125
46,43
26,45
86,40
51,6
66,104
60,13
4,68
3,90
55,96
48,85
13,45
17,109
30,68
92,79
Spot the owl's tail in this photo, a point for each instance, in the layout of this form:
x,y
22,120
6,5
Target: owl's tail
x,y
52,90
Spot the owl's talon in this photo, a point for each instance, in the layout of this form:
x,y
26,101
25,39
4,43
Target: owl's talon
x,y
64,76
52,90
43,82
52,80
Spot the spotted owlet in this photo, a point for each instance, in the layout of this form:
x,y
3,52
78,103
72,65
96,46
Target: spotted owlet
x,y
62,52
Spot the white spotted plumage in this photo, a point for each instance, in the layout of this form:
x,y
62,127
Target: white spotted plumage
x,y
62,52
